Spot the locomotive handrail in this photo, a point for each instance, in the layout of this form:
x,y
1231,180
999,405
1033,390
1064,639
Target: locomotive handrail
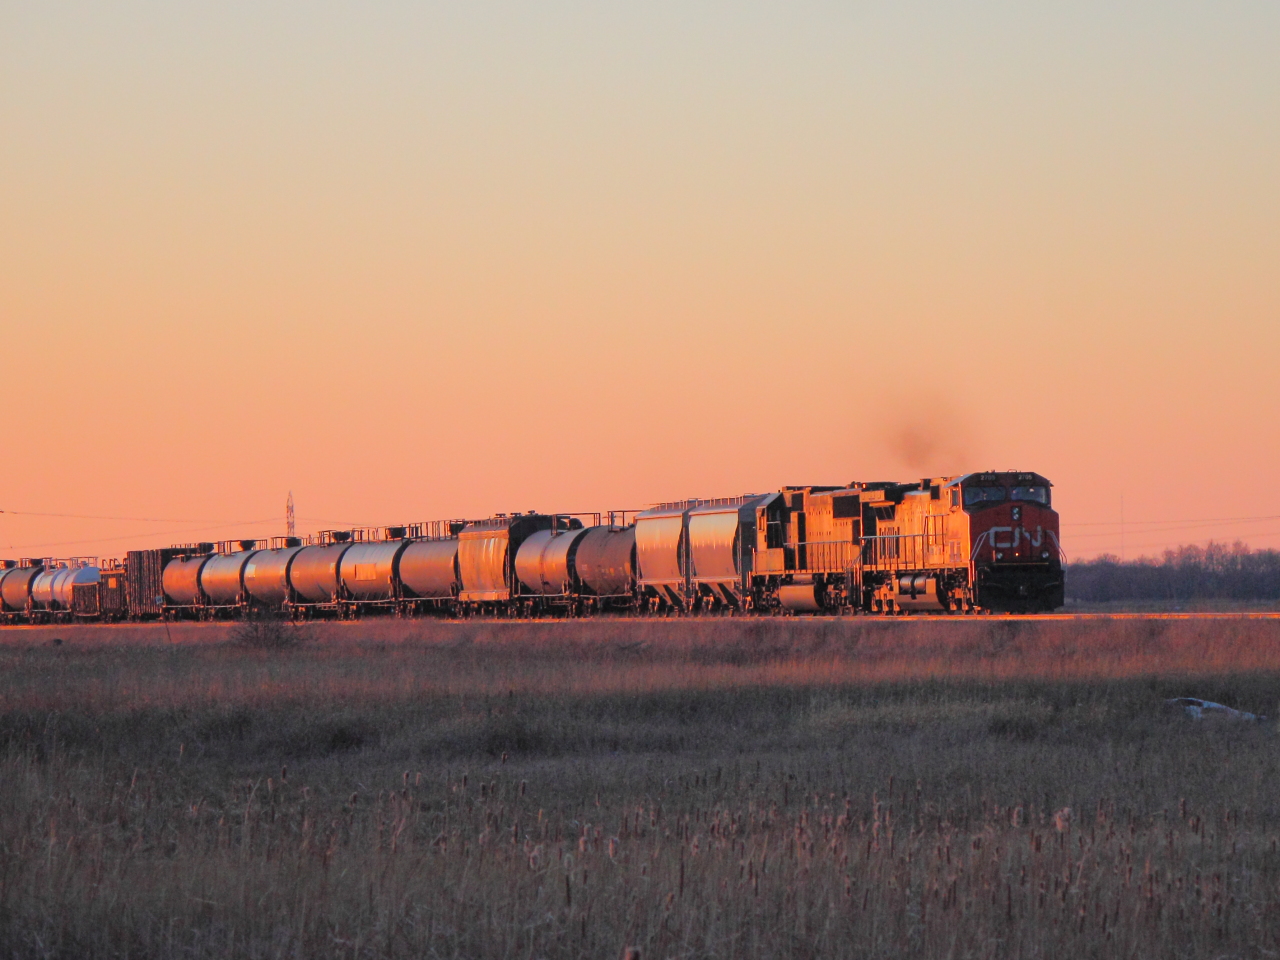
x,y
1062,554
905,551
823,556
695,502
902,551
557,530
434,529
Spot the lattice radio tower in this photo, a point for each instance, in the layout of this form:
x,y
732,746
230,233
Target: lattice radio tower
x,y
291,527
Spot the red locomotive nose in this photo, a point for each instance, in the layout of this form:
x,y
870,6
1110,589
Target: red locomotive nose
x,y
1014,552
1015,533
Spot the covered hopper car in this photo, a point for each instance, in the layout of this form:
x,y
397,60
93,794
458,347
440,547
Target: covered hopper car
x,y
981,542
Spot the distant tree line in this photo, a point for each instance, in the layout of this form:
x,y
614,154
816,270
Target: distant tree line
x,y
1213,572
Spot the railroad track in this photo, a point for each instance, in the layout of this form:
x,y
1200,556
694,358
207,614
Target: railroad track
x,y
797,620
1207,615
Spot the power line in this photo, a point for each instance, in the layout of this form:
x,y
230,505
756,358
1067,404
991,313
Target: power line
x,y
89,516
337,523
85,516
1093,535
165,533
135,536
1134,523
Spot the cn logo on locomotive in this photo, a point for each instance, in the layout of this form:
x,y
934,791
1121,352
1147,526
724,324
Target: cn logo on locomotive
x,y
1016,534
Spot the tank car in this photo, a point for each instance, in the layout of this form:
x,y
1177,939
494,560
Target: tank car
x,y
429,575
605,568
315,578
15,587
370,570
572,569
222,578
546,567
180,584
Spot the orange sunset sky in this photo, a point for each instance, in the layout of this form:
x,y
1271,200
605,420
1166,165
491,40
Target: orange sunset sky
x,y
422,260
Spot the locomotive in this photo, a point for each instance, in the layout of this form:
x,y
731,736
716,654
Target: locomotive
x,y
981,542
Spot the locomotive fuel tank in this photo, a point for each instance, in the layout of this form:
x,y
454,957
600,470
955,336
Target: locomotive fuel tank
x,y
918,591
181,580
545,562
15,589
222,578
266,575
429,569
800,597
606,561
369,569
313,574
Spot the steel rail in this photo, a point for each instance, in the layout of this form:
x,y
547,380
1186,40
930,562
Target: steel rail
x,y
798,619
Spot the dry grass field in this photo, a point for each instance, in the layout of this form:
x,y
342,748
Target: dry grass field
x,y
731,789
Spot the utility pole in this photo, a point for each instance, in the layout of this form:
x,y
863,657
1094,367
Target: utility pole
x,y
291,528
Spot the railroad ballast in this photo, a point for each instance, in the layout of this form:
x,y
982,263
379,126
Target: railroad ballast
x,y
963,544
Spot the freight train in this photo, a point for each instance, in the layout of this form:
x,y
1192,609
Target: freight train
x,y
982,542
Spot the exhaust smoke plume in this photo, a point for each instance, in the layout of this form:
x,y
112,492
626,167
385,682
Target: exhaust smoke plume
x,y
934,437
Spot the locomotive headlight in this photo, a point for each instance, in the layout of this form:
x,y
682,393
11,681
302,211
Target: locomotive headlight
x,y
1045,555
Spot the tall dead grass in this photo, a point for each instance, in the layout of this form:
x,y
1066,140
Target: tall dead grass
x,y
396,660
686,790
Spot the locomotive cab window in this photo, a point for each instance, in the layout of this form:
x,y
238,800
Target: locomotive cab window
x,y
977,495
1034,494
